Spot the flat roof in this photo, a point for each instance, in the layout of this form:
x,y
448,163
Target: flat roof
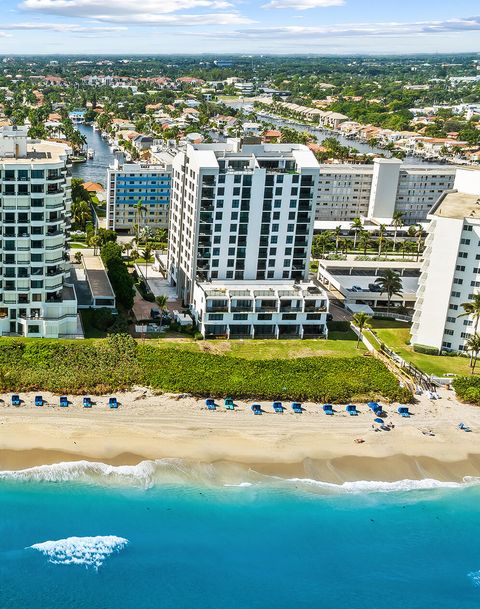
x,y
97,277
458,205
39,152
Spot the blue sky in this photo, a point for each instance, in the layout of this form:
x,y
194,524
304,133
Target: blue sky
x,y
244,26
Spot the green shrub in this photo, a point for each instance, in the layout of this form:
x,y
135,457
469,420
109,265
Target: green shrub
x,y
425,349
338,326
119,362
467,388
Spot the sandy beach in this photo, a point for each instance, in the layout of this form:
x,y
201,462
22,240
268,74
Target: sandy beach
x,y
312,445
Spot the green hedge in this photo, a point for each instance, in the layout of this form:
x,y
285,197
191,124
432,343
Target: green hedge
x,y
118,362
467,388
338,326
425,349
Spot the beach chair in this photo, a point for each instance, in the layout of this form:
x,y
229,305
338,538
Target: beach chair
x,y
297,407
256,409
375,407
63,401
112,403
464,427
352,410
228,403
38,400
16,401
87,402
278,407
403,411
210,404
328,409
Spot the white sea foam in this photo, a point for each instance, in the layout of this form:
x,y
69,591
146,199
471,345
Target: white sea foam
x,y
377,486
88,551
147,474
475,577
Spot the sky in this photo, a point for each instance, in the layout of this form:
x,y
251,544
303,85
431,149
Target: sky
x,y
239,26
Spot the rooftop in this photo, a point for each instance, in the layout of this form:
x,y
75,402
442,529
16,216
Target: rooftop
x,y
458,205
272,288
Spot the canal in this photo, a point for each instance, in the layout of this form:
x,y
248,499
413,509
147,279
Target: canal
x,y
94,170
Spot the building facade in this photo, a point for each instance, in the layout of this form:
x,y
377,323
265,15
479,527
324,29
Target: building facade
x,y
243,213
451,269
273,309
37,298
378,190
129,184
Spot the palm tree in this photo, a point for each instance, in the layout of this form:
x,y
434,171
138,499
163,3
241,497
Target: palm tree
x,y
473,346
162,305
472,309
364,241
95,241
320,243
419,235
81,213
397,222
146,255
356,226
337,234
140,209
381,238
362,321
391,283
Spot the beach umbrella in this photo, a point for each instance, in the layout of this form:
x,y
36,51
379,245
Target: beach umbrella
x,y
379,421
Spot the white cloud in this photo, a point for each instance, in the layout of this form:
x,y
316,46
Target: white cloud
x,y
302,5
60,27
392,29
117,8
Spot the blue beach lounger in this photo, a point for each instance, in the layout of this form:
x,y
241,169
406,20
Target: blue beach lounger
x,y
403,411
352,410
328,409
297,407
38,400
375,407
63,401
210,404
112,403
256,409
87,402
228,403
16,400
278,407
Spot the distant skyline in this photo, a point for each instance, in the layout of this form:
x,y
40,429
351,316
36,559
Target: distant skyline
x,y
239,26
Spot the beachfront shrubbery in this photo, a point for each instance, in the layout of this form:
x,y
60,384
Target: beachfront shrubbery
x,y
119,362
467,389
321,379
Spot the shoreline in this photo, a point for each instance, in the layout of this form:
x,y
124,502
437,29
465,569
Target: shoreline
x,y
311,445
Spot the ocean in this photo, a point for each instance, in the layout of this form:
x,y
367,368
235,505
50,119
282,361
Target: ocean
x,y
173,536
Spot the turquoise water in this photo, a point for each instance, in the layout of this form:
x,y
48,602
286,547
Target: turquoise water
x,y
273,544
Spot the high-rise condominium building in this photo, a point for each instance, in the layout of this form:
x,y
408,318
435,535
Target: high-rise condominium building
x,y
147,184
35,297
241,213
378,190
451,269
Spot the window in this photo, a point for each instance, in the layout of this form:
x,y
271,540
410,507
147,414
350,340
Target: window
x,y
455,294
465,255
459,268
453,307
449,332
264,316
465,241
240,316
458,281
215,316
451,319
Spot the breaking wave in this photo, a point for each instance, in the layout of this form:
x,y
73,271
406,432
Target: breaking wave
x,y
148,474
87,551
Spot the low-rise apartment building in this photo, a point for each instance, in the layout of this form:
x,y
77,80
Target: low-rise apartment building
x,y
451,268
273,309
36,296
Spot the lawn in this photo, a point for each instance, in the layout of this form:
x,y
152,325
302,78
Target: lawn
x,y
339,345
396,335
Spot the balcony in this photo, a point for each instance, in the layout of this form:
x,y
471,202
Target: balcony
x,y
218,309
